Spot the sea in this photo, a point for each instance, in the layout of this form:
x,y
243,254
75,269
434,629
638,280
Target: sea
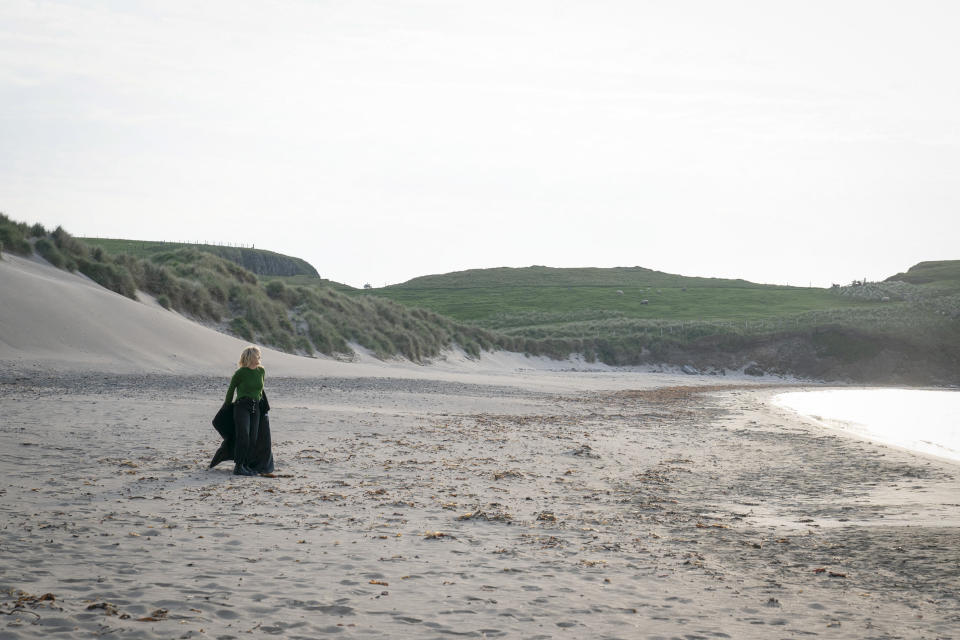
x,y
920,420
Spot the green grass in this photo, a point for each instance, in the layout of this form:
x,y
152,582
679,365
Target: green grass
x,y
304,280
15,236
259,261
940,274
523,305
538,276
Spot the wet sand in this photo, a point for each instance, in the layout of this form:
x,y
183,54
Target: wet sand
x,y
438,509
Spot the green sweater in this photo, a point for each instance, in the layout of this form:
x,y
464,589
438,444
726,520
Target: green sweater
x,y
248,383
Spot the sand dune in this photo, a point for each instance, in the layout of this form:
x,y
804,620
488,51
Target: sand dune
x,y
51,316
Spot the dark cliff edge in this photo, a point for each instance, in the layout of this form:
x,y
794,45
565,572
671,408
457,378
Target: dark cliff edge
x,y
263,263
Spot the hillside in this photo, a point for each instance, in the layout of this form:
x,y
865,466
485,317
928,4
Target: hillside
x,y
258,261
507,299
539,276
942,274
892,331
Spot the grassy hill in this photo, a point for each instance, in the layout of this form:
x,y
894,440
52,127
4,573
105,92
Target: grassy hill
x,y
903,330
515,298
633,315
259,261
539,276
942,274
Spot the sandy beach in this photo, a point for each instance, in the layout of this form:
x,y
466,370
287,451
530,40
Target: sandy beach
x,y
506,497
433,509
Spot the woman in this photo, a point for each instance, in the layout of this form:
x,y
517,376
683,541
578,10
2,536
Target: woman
x,y
250,427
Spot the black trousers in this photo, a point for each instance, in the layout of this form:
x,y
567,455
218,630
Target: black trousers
x,y
246,421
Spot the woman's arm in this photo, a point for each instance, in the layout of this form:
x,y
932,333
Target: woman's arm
x,y
230,389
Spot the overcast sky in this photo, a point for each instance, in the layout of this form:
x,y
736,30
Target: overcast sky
x,y
777,141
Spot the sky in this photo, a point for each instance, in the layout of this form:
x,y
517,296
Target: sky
x,y
788,142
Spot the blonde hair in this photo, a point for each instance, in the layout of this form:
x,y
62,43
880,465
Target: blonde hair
x,y
248,355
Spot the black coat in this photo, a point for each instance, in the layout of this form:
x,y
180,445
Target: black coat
x,y
263,449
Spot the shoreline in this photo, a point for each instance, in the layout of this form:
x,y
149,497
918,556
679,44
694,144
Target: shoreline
x,y
863,429
412,509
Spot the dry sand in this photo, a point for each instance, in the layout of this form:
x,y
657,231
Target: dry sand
x,y
459,500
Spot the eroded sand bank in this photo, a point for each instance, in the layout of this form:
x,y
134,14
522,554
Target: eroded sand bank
x,y
436,509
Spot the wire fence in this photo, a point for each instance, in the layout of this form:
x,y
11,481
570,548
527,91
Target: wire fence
x,y
210,243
